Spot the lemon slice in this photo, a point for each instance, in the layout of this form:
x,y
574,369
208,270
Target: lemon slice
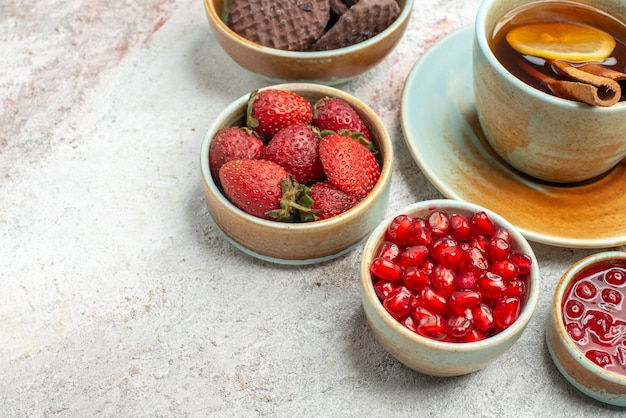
x,y
563,41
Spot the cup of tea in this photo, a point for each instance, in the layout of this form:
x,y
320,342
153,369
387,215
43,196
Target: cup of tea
x,y
550,87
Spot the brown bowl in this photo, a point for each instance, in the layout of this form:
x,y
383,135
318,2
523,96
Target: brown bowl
x,y
327,67
601,383
299,243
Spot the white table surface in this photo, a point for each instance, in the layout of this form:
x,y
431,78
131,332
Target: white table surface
x,y
118,295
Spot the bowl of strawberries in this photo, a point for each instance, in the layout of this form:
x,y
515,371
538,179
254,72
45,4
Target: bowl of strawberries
x,y
296,173
448,286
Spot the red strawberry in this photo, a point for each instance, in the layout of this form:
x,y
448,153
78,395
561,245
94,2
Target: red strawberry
x,y
253,185
329,201
348,164
233,143
295,149
335,114
263,188
271,110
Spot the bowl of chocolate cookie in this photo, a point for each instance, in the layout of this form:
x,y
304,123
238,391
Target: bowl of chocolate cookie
x,y
321,41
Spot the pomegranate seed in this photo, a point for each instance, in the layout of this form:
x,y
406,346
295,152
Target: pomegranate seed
x,y
491,285
432,327
574,309
419,222
433,301
574,331
399,230
473,336
444,280
415,278
420,312
438,223
475,260
415,300
505,269
516,288
498,249
523,261
460,324
481,242
410,323
440,245
616,277
504,234
465,299
390,251
466,280
507,311
385,269
460,227
585,290
599,323
611,296
413,256
398,303
600,358
452,257
421,236
383,288
428,266
483,223
483,317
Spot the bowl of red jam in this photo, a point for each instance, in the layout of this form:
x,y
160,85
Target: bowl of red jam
x,y
586,333
448,286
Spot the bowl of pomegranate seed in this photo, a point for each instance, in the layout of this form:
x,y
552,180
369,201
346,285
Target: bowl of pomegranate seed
x,y
586,333
296,173
448,286
313,41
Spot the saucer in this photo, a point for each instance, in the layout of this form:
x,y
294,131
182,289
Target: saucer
x,y
442,132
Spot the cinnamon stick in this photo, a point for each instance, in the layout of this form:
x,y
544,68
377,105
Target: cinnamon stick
x,y
582,86
603,71
608,90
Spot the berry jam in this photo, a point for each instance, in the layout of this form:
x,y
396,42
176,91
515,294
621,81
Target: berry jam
x,y
594,315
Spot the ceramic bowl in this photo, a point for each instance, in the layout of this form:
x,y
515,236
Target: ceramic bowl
x,y
605,384
300,243
440,358
327,67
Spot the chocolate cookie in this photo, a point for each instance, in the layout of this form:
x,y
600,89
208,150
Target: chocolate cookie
x,y
292,25
362,21
338,7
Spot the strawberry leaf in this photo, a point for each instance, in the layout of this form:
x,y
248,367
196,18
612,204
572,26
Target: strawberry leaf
x,y
251,122
295,204
357,136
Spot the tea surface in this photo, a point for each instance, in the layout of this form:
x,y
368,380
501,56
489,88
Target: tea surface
x,y
567,12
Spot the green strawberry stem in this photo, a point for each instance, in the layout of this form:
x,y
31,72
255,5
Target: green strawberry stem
x,y
295,204
251,122
357,136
